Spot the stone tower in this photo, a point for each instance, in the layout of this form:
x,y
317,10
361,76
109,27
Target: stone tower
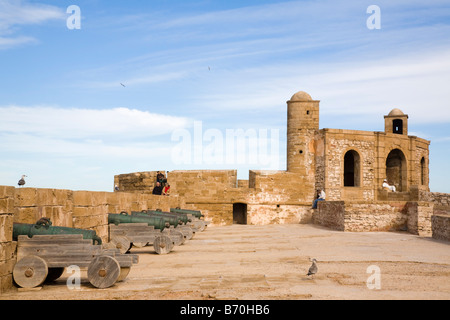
x,y
302,127
302,124
396,122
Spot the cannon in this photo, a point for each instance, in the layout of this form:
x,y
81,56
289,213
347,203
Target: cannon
x,y
196,213
43,258
126,231
181,216
44,227
196,217
174,220
123,217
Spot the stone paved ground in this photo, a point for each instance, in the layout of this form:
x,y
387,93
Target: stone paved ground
x,y
271,262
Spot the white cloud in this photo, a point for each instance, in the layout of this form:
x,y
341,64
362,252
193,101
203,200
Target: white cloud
x,y
118,123
15,13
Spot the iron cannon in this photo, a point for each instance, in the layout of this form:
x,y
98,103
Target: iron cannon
x,y
44,227
123,217
195,213
173,220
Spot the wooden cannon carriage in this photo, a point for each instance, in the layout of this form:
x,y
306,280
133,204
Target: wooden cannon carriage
x,y
126,231
44,257
197,218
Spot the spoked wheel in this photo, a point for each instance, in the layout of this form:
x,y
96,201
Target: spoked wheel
x,y
103,271
30,272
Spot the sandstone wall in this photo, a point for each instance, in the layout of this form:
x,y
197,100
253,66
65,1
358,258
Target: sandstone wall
x,y
338,143
330,214
65,208
7,246
359,216
142,182
441,199
419,218
31,204
271,196
441,227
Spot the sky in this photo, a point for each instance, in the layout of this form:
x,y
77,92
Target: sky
x,y
96,88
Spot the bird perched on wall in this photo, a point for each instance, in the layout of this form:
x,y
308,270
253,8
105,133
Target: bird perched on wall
x,y
21,181
313,269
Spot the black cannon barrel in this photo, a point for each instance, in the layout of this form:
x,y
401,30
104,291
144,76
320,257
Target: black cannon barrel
x,y
124,217
44,227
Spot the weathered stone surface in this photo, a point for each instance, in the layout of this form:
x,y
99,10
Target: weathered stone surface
x,y
441,226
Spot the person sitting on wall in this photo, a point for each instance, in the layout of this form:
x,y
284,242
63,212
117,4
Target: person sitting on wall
x,y
388,187
166,190
157,189
320,197
159,177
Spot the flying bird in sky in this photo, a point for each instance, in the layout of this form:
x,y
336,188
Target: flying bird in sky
x,y
122,84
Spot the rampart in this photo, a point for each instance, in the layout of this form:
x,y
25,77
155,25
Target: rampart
x,y
66,208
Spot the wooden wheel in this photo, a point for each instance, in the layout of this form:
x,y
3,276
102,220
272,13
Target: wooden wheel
x,y
162,244
30,272
123,273
53,274
176,236
139,244
103,271
122,243
200,225
187,233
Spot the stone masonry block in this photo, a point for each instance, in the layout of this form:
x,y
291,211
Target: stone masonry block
x,y
6,227
26,214
26,197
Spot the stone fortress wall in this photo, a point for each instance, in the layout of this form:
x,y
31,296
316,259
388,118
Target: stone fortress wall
x,y
66,208
349,165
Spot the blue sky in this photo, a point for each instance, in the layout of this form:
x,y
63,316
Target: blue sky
x,y
66,120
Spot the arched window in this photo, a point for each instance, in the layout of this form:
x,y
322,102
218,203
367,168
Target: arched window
x,y
352,168
397,126
396,170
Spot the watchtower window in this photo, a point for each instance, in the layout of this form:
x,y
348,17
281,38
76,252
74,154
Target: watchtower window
x,y
397,126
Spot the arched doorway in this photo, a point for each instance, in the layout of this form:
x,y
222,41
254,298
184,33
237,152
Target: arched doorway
x,y
422,171
396,170
352,165
239,213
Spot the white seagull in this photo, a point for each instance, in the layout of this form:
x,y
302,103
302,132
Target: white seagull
x,y
313,269
22,181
